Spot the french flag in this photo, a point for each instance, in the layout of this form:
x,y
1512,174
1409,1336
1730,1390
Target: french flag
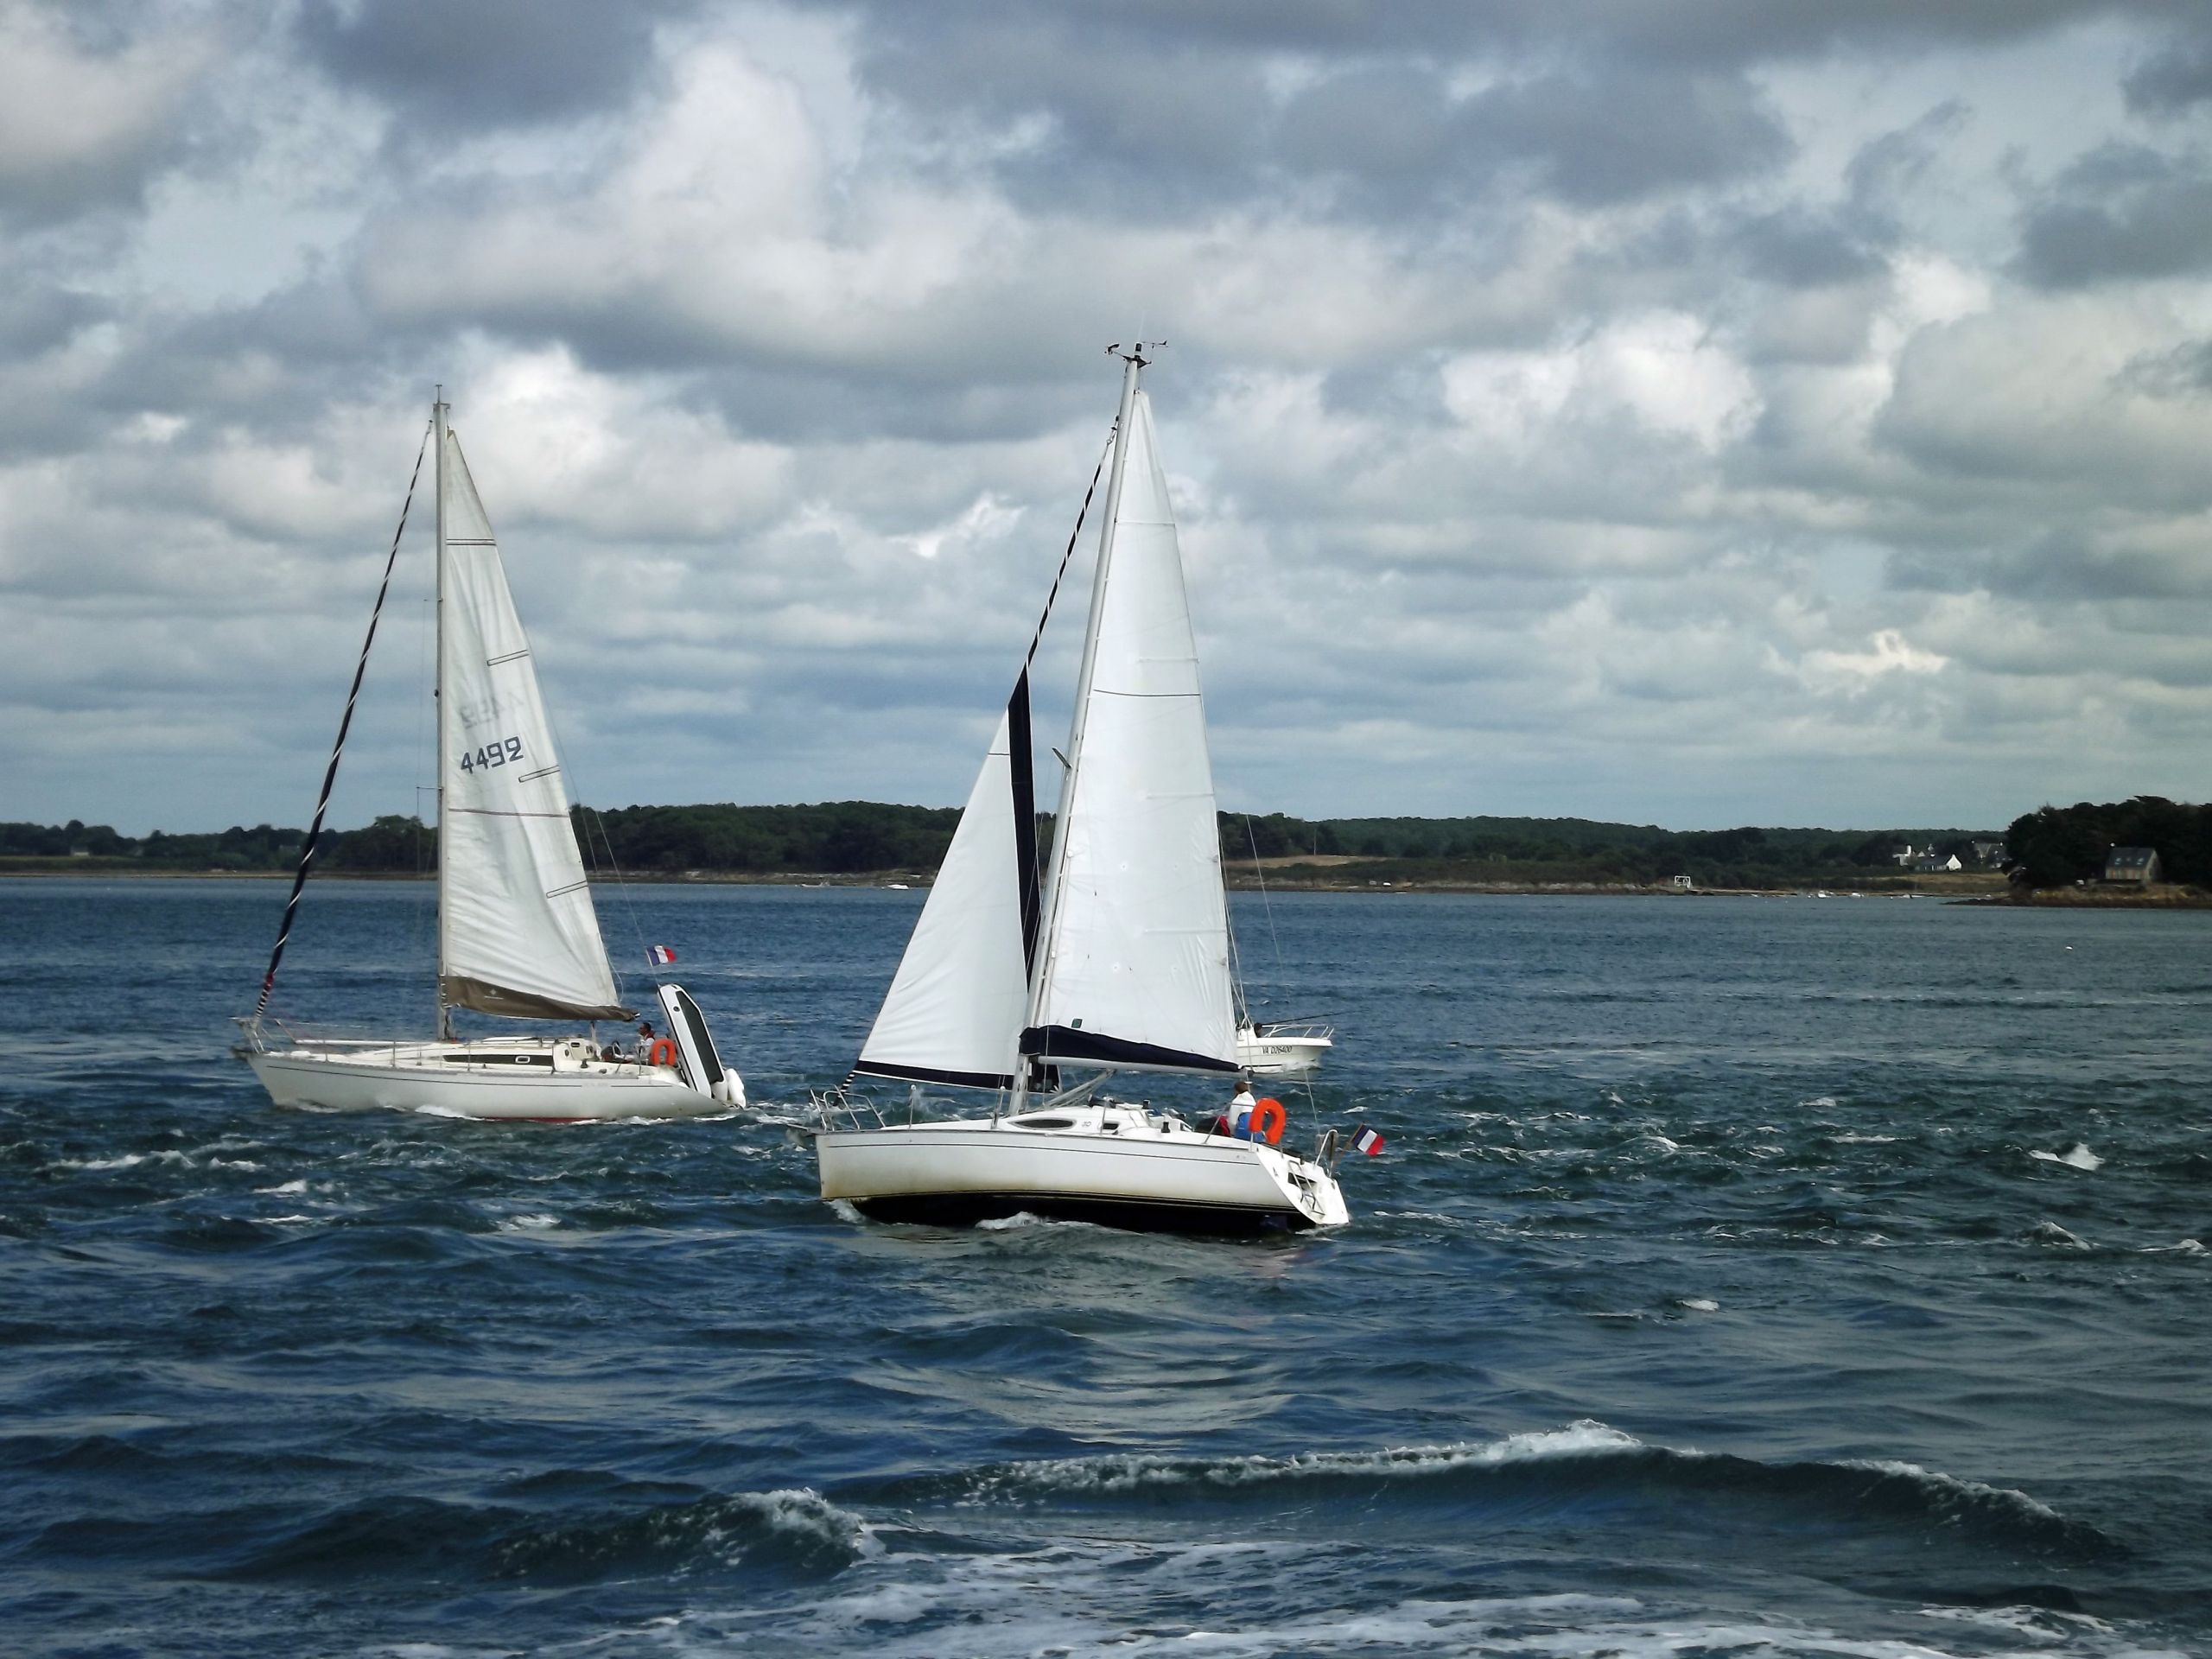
x,y
1367,1140
662,956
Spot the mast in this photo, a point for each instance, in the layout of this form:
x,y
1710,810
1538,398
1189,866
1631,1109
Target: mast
x,y
438,420
1040,974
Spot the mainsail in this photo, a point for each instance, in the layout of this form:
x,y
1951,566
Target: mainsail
x,y
957,1004
1135,971
517,933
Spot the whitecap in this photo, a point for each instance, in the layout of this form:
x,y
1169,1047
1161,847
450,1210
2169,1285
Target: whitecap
x,y
2049,1232
1133,1471
288,1189
1865,1140
2187,1247
1818,1104
534,1223
1951,1488
2077,1157
802,1512
1698,1304
127,1161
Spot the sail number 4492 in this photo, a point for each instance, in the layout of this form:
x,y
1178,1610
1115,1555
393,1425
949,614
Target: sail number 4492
x,y
498,752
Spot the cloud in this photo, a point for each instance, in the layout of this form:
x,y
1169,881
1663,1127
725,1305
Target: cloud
x,y
1697,411
82,128
489,63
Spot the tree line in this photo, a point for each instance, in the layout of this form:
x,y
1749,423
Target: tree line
x,y
2050,847
2055,846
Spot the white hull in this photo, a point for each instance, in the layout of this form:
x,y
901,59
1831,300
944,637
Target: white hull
x,y
537,1079
1285,1052
1118,1165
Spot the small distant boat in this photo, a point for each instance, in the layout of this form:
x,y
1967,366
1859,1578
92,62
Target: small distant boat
x,y
517,937
1282,1048
1115,958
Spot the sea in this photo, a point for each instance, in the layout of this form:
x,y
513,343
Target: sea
x,y
1761,1277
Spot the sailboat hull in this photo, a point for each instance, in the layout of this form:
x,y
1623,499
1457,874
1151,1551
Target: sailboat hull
x,y
533,1081
1130,1170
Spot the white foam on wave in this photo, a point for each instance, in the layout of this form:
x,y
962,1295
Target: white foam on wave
x,y
1818,1104
802,1513
2187,1247
1134,1471
1949,1490
2078,1156
1103,1599
1698,1304
844,1211
1864,1140
288,1189
128,1161
1008,1223
2049,1232
2036,1623
533,1223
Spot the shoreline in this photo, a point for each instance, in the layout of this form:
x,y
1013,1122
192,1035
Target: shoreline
x,y
1972,890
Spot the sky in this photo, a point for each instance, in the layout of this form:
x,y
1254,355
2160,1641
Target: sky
x,y
1697,412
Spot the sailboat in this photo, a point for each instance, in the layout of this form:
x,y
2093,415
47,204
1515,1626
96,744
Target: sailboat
x,y
1114,958
517,937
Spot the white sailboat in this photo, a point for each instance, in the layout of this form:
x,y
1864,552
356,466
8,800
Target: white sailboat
x,y
1116,961
517,937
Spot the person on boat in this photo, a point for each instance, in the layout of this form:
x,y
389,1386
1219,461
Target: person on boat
x,y
1238,1121
645,1040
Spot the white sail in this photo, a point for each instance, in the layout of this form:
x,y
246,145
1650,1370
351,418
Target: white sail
x,y
518,935
1136,970
955,1009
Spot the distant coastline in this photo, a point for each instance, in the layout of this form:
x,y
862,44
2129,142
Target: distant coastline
x,y
1963,889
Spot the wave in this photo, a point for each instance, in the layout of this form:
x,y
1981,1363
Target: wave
x,y
1096,1596
1585,1460
789,1533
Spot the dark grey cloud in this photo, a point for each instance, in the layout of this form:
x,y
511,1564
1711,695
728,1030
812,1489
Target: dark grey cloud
x,y
1799,247
485,63
2121,212
1679,33
2175,79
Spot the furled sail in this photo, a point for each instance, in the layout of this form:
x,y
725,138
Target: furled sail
x,y
955,1006
517,933
1136,971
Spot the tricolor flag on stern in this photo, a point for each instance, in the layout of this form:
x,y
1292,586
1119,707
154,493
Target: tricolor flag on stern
x,y
661,956
1367,1140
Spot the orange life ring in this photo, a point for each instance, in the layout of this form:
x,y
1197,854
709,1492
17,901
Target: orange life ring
x,y
1267,1120
662,1052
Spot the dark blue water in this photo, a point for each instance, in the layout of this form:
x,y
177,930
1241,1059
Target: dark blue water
x,y
1746,1277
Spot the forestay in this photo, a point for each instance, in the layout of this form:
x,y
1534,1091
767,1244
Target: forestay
x,y
518,934
1136,970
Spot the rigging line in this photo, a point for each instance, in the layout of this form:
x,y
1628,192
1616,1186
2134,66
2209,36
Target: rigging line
x,y
337,749
1074,536
1266,903
613,868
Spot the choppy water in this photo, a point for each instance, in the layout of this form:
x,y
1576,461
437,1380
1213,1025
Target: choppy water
x,y
1746,1277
